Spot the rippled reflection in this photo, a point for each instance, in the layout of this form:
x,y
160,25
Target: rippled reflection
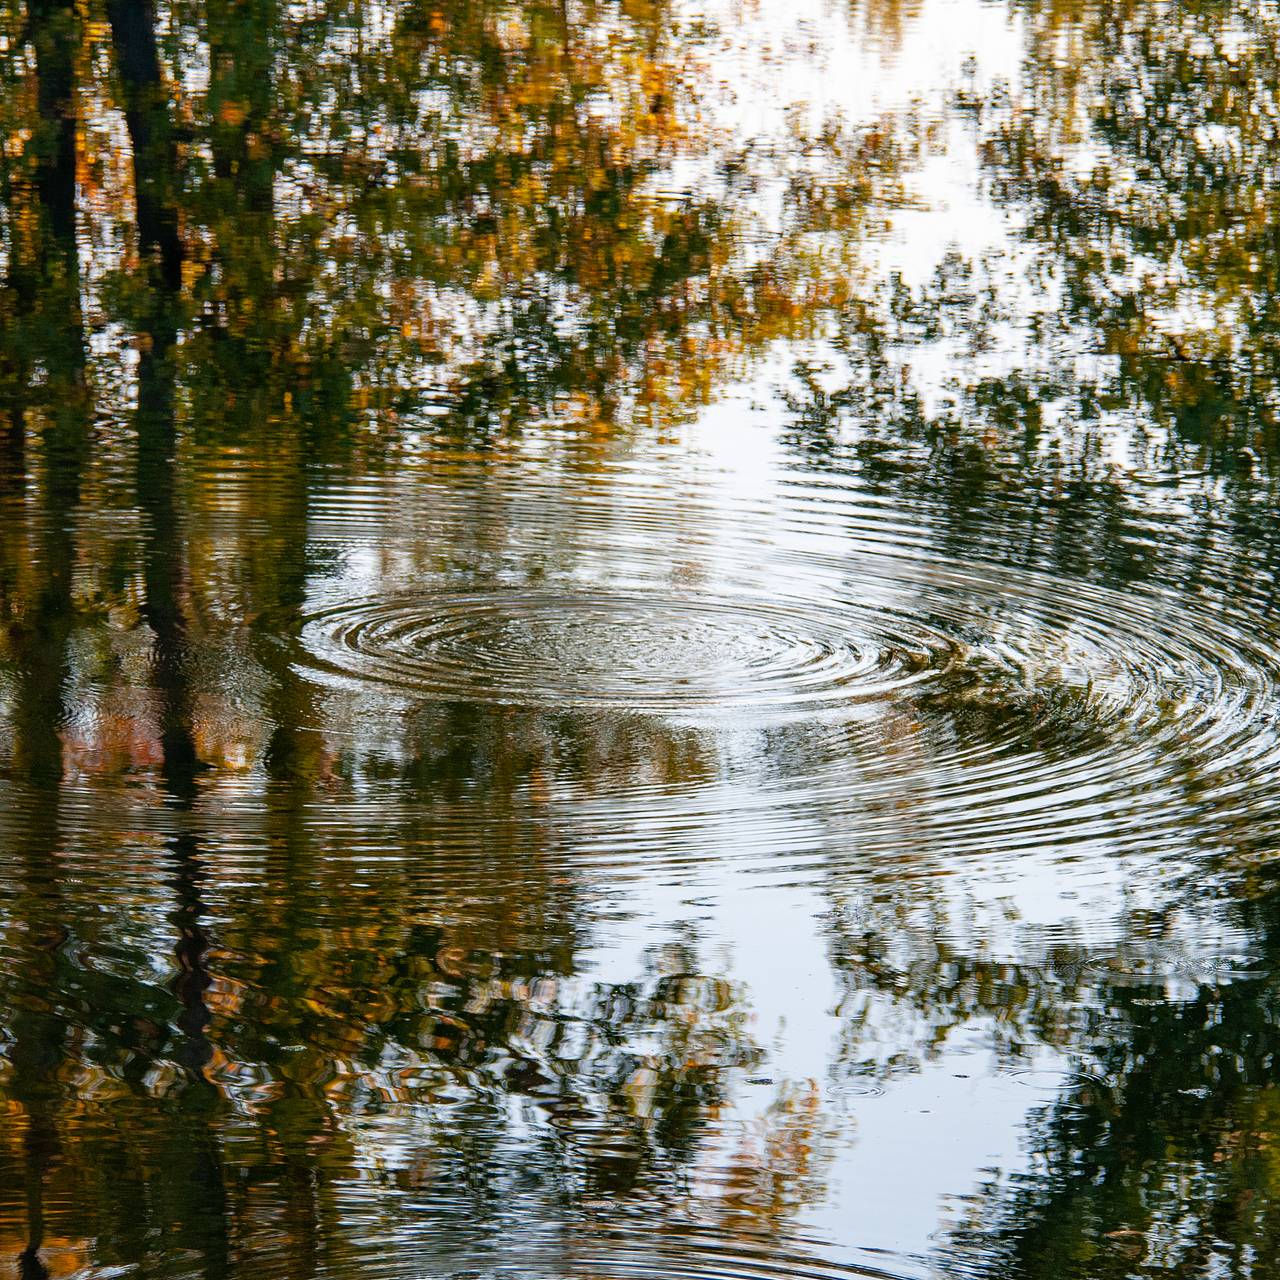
x,y
638,639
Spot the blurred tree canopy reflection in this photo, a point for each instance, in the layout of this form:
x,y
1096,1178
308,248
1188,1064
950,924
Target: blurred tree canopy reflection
x,y
499,213
1145,148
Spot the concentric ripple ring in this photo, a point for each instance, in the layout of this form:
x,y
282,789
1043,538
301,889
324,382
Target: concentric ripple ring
x,y
1019,709
659,654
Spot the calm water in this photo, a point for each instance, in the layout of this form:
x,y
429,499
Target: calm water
x,y
639,639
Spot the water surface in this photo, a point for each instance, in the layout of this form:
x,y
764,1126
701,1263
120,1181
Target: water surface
x,y
639,640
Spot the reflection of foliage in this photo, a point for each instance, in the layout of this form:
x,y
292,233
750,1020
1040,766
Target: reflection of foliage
x,y
480,210
1143,166
1170,1170
781,1163
1027,456
1146,161
330,1026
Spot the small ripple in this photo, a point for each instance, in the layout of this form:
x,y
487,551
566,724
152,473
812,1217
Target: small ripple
x,y
1156,968
1056,1084
710,1254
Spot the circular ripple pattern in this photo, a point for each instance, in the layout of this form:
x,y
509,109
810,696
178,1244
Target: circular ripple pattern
x,y
1013,709
654,654
1139,657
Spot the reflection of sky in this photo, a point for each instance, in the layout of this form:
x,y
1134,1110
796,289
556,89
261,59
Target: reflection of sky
x,y
770,59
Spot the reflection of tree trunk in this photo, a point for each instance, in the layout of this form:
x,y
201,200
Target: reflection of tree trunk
x,y
164,577
151,133
55,340
53,32
42,312
207,1226
163,573
294,758
53,289
38,1031
133,33
294,751
38,1028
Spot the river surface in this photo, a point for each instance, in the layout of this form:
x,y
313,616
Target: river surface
x,y
640,639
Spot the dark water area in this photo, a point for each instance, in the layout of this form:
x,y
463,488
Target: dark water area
x,y
639,639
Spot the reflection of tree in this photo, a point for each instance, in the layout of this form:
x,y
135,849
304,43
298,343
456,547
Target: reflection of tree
x,y
352,1009
1169,1169
1143,169
886,21
463,208
1145,164
44,348
471,204
302,1008
151,139
1158,1156
1019,465
43,276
